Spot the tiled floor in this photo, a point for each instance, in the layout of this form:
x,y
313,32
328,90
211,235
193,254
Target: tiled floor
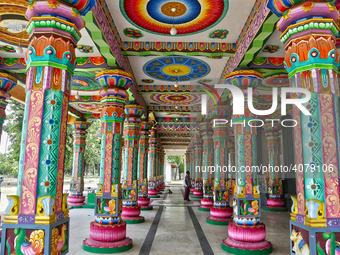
x,y
176,232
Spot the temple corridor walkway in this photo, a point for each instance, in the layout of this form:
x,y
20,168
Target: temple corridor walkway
x,y
175,227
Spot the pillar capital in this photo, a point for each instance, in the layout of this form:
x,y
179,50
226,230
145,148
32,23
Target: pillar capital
x,y
313,27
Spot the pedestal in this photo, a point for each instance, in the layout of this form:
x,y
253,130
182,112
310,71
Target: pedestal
x,y
197,194
275,205
206,204
76,201
107,239
246,240
144,204
220,216
131,214
153,193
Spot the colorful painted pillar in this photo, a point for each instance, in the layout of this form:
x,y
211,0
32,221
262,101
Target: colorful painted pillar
x,y
208,161
143,199
76,198
275,200
152,191
315,214
192,167
221,212
246,233
7,82
198,192
162,184
108,230
132,127
232,169
39,210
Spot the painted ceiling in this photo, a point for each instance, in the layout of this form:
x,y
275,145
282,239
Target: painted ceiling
x,y
135,34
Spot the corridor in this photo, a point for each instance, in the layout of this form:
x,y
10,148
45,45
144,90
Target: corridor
x,y
175,227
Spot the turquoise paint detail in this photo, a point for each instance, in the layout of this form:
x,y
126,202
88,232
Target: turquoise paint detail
x,y
49,153
102,159
50,60
312,150
240,160
116,157
254,157
23,142
312,63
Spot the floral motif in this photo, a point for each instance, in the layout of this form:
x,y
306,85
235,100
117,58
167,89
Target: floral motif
x,y
147,80
85,48
271,49
7,48
133,33
219,34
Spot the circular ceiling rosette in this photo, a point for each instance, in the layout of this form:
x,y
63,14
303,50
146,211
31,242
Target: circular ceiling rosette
x,y
179,68
176,99
190,17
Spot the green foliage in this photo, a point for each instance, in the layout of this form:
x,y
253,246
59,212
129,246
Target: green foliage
x,y
92,150
13,128
178,160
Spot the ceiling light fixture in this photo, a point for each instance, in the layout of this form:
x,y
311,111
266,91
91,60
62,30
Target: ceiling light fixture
x,y
77,96
19,49
173,30
176,83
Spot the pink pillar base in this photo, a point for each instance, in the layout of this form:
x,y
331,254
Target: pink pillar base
x,y
152,193
275,202
131,214
130,211
232,245
143,201
192,190
224,213
198,193
107,245
76,200
107,233
207,203
247,234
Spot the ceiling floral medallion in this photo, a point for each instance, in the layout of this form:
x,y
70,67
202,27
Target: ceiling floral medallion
x,y
176,68
148,81
85,48
190,17
7,48
219,34
133,33
271,49
176,99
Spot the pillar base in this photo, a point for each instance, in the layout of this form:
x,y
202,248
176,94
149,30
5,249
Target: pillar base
x,y
90,245
218,221
207,203
152,193
194,197
144,204
131,214
192,190
76,201
133,220
154,196
242,248
198,193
